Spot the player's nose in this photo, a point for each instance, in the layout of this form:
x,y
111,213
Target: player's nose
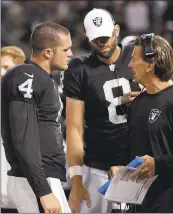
x,y
70,53
102,41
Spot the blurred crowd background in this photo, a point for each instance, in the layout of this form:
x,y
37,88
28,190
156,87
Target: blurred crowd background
x,y
134,17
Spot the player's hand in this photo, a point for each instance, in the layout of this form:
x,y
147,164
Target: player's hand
x,y
145,170
77,195
131,95
50,204
112,171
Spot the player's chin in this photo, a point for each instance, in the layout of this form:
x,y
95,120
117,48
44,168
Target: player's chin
x,y
105,54
64,67
137,79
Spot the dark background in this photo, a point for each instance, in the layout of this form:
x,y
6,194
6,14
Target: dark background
x,y
134,17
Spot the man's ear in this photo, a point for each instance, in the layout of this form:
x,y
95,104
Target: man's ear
x,y
48,53
116,30
150,67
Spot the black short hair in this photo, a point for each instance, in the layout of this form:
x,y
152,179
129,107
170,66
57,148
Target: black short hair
x,y
46,35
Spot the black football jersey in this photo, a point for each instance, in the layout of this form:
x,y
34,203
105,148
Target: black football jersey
x,y
101,87
31,108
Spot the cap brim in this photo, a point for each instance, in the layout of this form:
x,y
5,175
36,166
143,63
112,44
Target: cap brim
x,y
100,34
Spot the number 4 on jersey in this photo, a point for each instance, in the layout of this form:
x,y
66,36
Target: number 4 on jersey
x,y
27,88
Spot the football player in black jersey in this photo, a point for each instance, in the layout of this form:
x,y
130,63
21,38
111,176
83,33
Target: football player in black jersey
x,y
94,87
31,108
151,120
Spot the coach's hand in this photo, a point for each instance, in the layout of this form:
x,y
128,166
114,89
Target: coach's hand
x,y
77,195
50,204
131,96
112,171
145,170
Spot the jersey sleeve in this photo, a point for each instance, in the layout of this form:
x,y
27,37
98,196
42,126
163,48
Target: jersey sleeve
x,y
24,92
25,135
74,80
164,167
164,163
23,85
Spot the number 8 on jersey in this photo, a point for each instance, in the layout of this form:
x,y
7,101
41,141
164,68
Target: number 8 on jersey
x,y
116,101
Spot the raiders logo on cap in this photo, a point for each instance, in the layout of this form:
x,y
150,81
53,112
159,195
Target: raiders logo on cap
x,y
97,21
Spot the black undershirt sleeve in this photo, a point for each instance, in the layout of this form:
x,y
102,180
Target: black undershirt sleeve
x,y
164,167
73,80
164,163
25,135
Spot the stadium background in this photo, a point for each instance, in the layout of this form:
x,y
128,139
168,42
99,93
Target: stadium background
x,y
134,17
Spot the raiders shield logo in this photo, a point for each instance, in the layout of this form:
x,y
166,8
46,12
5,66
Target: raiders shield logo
x,y
97,21
154,115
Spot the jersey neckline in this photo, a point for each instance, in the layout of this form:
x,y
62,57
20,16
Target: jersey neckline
x,y
159,92
33,63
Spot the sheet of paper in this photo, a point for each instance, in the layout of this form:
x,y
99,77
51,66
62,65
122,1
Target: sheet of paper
x,y
125,190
